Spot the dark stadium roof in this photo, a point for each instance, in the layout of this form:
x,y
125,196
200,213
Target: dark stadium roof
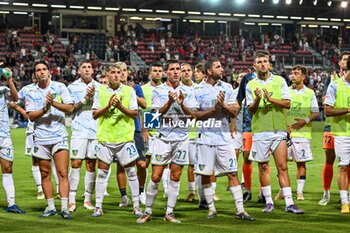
x,y
307,8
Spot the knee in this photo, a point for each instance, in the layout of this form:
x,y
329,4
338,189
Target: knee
x,y
76,163
282,168
156,178
343,169
7,168
175,176
263,167
90,165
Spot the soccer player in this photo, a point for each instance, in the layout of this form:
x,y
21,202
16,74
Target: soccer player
x,y
215,151
199,76
267,96
29,137
337,106
47,103
6,149
115,107
171,143
328,138
186,79
155,76
304,109
141,160
84,135
247,167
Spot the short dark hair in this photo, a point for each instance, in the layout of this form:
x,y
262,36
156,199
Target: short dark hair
x,y
209,64
155,64
261,53
84,61
302,68
41,62
200,67
170,62
343,54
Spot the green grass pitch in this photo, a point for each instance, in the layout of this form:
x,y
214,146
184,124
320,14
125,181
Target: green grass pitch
x,y
316,218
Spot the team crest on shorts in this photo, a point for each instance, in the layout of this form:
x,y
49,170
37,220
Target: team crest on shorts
x,y
253,154
28,150
201,167
158,157
75,152
36,149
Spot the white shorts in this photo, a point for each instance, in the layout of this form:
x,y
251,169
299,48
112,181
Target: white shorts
x,y
261,149
170,152
124,153
29,144
342,150
215,160
6,149
150,146
83,148
192,152
47,152
300,151
237,141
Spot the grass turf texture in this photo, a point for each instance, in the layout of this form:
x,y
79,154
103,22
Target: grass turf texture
x,y
316,218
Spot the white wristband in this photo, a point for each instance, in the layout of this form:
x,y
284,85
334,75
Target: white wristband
x,y
307,120
83,101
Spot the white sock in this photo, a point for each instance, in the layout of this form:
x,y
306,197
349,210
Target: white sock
x,y
37,178
152,191
134,185
301,184
64,203
327,193
266,191
191,187
214,187
74,178
101,181
165,179
344,196
208,195
54,172
173,194
199,187
9,187
51,203
89,185
108,175
238,198
287,193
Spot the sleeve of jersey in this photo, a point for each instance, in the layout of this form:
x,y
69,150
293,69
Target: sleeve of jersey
x,y
326,84
249,96
314,104
191,101
96,103
242,89
331,94
133,101
285,91
156,101
66,97
231,97
21,97
31,104
138,91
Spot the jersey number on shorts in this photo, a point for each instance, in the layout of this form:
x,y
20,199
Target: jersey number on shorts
x,y
181,154
131,150
231,162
